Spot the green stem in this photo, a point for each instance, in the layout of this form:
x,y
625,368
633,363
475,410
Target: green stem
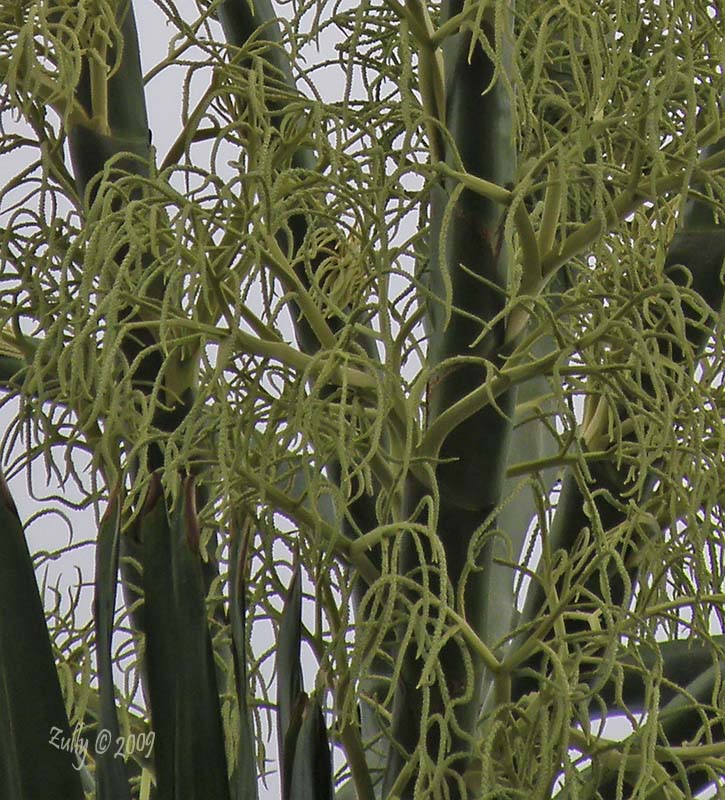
x,y
282,269
98,70
552,210
485,394
452,26
416,25
531,261
624,204
296,512
480,186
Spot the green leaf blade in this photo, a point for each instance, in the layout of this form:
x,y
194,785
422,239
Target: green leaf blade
x,y
245,777
289,676
111,777
33,723
312,771
189,745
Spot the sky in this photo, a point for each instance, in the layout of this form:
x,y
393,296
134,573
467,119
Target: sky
x,y
33,491
77,529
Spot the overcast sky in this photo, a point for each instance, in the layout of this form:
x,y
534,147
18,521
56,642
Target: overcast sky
x,y
33,494
51,532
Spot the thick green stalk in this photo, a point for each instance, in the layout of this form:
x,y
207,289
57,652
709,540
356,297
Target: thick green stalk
x,y
241,21
92,149
467,276
118,132
694,258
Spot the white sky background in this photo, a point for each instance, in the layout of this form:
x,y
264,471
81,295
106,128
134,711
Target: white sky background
x,y
163,96
33,493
